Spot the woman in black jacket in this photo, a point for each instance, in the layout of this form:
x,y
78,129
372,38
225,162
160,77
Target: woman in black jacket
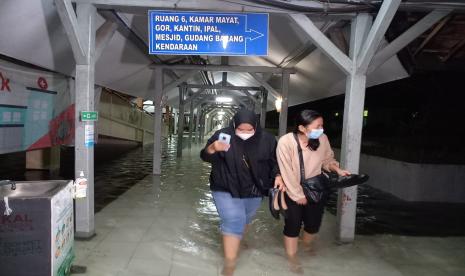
x,y
242,172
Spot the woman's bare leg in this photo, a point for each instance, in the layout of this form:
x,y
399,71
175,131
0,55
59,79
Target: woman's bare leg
x,y
307,242
231,246
291,246
308,238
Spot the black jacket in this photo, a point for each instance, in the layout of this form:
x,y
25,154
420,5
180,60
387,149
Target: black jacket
x,y
228,174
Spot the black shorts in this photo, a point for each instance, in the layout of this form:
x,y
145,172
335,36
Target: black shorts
x,y
310,215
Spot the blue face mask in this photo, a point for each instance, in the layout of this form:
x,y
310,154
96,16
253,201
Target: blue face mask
x,y
315,133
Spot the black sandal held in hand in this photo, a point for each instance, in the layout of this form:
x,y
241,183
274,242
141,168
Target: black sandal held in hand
x,y
347,181
282,204
277,203
273,202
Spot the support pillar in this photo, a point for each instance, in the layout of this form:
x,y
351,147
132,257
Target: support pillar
x,y
182,89
202,127
197,127
285,103
175,119
352,131
263,108
191,124
158,120
84,152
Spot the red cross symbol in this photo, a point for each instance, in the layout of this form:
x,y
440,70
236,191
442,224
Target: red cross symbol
x,y
42,83
5,83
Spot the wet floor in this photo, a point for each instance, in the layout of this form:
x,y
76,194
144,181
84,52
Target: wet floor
x,y
377,212
168,225
119,166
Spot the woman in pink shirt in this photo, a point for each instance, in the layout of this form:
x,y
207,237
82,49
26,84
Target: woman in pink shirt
x,y
317,155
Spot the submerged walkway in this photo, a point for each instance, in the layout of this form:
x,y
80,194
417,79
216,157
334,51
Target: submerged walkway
x,y
168,225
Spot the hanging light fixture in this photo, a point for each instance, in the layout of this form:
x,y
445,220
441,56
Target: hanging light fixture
x,y
278,104
223,99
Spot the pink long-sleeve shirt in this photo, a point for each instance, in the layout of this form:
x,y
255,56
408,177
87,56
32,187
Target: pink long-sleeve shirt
x,y
314,162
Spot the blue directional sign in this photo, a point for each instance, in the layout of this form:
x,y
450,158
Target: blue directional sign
x,y
192,33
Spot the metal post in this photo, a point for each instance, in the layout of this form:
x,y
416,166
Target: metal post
x,y
182,88
263,108
191,124
175,119
157,121
84,152
285,102
352,131
197,122
209,124
203,126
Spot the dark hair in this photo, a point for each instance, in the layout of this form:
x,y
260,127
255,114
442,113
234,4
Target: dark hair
x,y
304,118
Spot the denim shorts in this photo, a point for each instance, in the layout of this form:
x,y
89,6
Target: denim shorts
x,y
235,213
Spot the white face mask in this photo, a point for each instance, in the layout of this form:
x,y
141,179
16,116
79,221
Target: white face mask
x,y
244,136
315,133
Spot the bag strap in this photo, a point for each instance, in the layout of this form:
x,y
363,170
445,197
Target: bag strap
x,y
255,180
301,159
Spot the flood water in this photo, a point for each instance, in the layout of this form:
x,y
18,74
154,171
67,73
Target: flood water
x,y
119,167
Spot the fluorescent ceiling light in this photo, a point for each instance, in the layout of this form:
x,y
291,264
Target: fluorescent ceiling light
x,y
221,112
224,99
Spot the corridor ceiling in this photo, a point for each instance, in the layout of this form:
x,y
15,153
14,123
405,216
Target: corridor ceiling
x,y
31,31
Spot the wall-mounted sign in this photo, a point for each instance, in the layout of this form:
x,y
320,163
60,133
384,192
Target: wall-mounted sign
x,y
192,33
89,116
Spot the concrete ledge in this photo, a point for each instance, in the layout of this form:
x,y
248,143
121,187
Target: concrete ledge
x,y
415,182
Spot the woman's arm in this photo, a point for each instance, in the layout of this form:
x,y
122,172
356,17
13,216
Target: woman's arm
x,y
329,162
291,180
212,148
334,167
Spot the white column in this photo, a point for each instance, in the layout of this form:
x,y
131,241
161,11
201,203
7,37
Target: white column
x,y
84,153
157,115
182,88
285,103
352,131
191,124
263,108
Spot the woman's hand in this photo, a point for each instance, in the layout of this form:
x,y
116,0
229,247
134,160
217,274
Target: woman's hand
x,y
217,146
342,172
279,183
302,201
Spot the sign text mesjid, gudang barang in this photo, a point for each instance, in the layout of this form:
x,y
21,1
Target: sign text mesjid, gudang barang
x,y
173,33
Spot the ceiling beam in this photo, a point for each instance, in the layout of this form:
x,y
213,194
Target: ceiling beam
x,y
323,42
225,68
267,86
378,30
433,33
406,38
454,50
179,80
221,87
69,20
103,37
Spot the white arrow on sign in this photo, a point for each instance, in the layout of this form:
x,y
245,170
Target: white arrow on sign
x,y
254,34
